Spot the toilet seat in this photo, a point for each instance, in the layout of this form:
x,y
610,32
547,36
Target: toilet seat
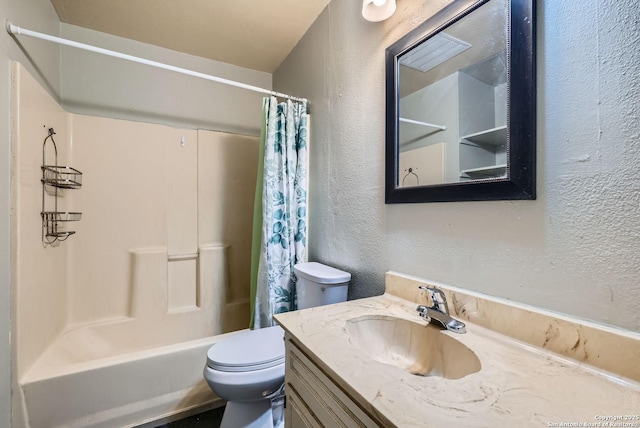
x,y
248,351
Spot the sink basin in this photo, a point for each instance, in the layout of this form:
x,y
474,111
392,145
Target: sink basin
x,y
419,349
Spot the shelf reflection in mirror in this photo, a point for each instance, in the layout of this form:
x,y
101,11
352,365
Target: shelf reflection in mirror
x,y
453,87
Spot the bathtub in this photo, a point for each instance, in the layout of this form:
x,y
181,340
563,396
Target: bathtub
x,y
118,391
143,366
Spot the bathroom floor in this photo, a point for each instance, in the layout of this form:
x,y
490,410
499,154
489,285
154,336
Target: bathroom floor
x,y
209,419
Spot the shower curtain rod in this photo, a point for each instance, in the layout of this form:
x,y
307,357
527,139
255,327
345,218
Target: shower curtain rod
x,y
14,29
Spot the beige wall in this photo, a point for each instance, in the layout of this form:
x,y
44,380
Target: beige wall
x,y
575,250
124,201
227,170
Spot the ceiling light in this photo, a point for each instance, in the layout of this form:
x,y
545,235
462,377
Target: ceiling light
x,y
378,10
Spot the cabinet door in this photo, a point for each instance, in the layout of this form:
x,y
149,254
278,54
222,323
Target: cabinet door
x,y
316,397
297,414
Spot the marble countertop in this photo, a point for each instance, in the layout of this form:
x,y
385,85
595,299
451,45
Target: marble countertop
x,y
518,384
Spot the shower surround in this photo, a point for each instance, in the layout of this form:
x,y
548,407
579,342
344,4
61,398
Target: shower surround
x,y
111,327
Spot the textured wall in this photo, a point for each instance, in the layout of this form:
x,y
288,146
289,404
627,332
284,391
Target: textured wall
x,y
575,250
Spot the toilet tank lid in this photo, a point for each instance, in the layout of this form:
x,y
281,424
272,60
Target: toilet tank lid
x,y
320,273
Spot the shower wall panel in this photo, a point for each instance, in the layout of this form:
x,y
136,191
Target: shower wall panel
x,y
182,191
162,252
160,259
39,283
124,205
227,171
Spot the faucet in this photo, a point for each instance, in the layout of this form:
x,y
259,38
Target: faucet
x,y
439,312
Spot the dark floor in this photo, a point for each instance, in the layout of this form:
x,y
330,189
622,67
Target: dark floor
x,y
209,419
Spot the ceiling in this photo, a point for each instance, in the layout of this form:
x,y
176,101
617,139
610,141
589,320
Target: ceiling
x,y
256,34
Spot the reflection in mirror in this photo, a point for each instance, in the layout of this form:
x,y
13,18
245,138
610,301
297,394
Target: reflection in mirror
x,y
453,102
460,121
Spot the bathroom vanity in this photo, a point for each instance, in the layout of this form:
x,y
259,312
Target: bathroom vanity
x,y
313,399
375,362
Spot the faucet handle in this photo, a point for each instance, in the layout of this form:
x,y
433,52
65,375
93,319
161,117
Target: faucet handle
x,y
423,311
438,297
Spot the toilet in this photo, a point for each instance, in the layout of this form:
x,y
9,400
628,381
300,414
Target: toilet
x,y
247,369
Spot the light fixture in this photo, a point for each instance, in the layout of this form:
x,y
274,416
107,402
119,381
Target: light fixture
x,y
378,10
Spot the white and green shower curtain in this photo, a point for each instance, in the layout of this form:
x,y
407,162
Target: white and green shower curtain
x,y
280,210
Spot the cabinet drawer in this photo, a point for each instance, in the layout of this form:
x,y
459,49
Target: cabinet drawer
x,y
328,403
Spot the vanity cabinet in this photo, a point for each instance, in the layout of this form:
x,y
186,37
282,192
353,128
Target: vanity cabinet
x,y
313,399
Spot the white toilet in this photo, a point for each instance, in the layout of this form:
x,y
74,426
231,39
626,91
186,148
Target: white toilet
x,y
247,369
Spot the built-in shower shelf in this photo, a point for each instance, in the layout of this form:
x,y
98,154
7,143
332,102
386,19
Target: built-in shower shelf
x,y
63,177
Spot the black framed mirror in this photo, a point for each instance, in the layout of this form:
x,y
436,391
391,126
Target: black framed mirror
x,y
460,105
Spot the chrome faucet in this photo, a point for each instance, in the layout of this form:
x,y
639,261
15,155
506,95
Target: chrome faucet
x,y
439,312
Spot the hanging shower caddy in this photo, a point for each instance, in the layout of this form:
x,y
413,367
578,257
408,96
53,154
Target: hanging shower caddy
x,y
57,177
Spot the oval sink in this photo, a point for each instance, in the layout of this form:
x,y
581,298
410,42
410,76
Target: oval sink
x,y
416,348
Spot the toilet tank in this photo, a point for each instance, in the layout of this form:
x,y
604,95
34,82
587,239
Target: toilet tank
x,y
320,284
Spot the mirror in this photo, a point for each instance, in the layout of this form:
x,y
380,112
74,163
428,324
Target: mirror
x,y
460,109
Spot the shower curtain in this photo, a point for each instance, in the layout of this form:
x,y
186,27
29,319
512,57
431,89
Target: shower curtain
x,y
280,210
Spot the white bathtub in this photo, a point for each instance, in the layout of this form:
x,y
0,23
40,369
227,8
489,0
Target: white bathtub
x,y
133,369
118,391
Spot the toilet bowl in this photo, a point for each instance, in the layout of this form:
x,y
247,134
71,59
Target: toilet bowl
x,y
247,369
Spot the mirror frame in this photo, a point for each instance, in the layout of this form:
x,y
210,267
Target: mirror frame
x,y
520,182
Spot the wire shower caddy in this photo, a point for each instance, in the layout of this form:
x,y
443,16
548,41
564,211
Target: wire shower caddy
x,y
57,177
